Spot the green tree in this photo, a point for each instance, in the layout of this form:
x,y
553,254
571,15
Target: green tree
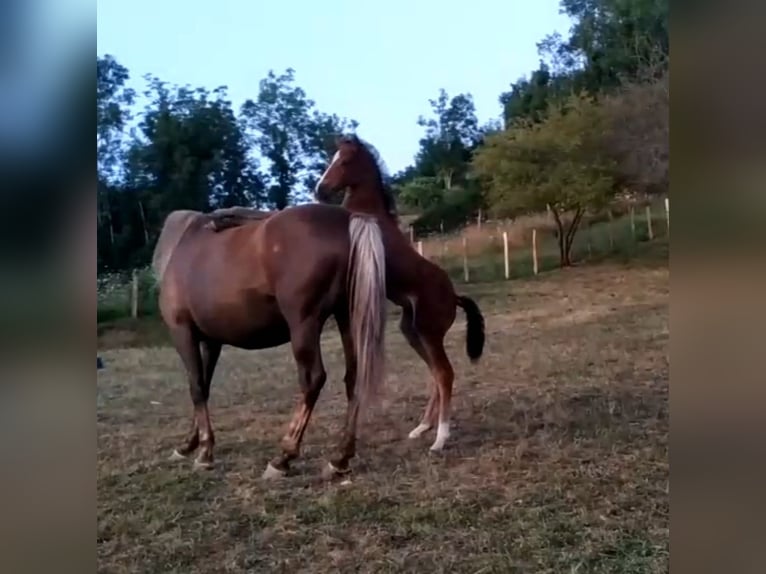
x,y
294,137
420,193
113,101
561,163
611,40
189,152
279,120
319,145
451,132
530,99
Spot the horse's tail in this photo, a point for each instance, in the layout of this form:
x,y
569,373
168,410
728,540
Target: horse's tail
x,y
474,337
367,297
173,229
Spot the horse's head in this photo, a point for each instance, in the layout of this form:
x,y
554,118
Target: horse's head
x,y
348,168
356,169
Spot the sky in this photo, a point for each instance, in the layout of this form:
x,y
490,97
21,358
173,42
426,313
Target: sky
x,y
376,62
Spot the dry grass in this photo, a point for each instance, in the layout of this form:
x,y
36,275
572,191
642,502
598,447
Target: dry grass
x,y
489,235
558,460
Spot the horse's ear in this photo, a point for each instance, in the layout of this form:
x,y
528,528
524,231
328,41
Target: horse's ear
x,y
346,139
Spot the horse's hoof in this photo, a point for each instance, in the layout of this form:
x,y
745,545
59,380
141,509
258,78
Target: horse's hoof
x,y
442,434
330,471
272,473
176,455
203,464
418,431
437,446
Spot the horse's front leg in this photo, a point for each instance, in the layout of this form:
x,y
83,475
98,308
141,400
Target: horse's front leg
x,y
311,379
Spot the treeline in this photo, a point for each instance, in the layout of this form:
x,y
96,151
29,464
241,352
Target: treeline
x,y
189,149
591,122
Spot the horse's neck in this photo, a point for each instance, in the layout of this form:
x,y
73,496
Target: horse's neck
x,y
367,199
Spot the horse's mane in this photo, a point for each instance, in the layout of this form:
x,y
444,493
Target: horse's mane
x,y
385,178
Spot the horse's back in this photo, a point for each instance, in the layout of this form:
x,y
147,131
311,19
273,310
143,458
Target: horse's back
x,y
241,284
303,241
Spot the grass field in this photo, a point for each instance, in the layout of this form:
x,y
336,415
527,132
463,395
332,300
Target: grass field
x,y
557,462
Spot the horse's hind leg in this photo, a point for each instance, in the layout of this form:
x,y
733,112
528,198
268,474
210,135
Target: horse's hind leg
x,y
200,365
407,327
347,446
425,331
211,351
311,379
443,375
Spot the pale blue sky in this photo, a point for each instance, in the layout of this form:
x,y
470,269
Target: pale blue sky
x,y
376,62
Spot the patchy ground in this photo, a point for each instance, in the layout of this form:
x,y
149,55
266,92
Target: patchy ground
x,y
557,461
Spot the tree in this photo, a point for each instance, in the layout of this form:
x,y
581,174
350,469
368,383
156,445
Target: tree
x,y
420,193
112,114
638,116
279,121
530,99
610,40
451,133
320,144
610,43
560,163
294,138
189,152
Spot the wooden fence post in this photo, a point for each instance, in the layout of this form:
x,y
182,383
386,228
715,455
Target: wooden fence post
x,y
534,251
465,261
633,222
505,255
134,296
610,229
667,212
649,222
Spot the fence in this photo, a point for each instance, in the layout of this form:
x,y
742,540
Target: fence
x,y
487,251
493,251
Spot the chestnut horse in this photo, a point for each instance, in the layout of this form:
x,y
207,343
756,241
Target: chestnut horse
x,y
266,283
421,288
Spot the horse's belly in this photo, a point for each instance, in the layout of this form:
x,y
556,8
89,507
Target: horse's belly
x,y
255,323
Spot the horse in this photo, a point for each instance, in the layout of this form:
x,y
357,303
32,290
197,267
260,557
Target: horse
x,y
255,281
421,288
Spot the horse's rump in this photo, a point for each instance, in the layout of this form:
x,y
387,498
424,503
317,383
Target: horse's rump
x,y
175,226
179,222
